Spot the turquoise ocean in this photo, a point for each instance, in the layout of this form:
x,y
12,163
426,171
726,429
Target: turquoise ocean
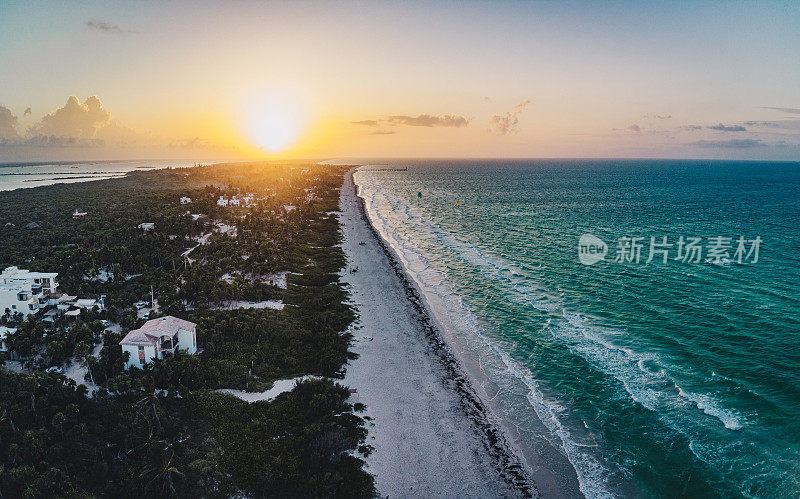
x,y
657,379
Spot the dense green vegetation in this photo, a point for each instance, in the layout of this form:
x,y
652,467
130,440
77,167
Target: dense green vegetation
x,y
163,430
57,442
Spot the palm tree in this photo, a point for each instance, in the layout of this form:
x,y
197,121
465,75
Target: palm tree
x,y
153,401
31,383
83,353
164,474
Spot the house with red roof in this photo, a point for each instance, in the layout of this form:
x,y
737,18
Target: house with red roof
x,y
159,339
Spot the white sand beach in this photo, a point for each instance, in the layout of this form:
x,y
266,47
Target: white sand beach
x,y
425,442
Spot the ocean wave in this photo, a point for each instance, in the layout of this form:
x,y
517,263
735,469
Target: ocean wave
x,y
709,405
610,358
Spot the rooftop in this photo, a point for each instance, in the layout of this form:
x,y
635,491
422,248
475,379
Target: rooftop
x,y
18,273
154,329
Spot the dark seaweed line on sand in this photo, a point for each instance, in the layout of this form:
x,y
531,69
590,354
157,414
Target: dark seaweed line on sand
x,y
508,465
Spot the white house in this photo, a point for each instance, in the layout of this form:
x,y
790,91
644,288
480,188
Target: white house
x,y
159,339
78,213
26,292
185,200
145,226
234,201
65,302
90,303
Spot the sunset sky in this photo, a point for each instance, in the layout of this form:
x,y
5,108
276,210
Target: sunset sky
x,y
240,79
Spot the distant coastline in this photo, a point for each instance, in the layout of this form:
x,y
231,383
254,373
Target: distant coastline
x,y
7,164
20,175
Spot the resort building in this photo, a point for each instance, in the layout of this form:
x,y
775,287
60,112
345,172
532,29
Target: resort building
x,y
223,201
145,226
26,292
159,339
78,213
185,200
247,200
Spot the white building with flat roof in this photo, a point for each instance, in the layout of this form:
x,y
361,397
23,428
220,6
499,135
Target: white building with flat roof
x,y
26,292
159,339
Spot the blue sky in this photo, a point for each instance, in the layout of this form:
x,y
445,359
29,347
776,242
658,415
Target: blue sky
x,y
604,79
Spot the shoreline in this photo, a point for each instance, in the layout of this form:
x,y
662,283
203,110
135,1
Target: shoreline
x,y
507,463
536,449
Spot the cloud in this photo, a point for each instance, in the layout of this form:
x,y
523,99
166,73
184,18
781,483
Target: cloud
x,y
75,124
105,27
8,125
767,124
428,120
727,128
519,107
424,120
507,123
87,129
788,124
382,132
120,135
74,119
365,122
53,141
659,116
635,128
728,144
27,112
193,142
790,110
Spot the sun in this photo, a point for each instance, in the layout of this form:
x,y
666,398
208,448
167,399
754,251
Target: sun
x,y
274,123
